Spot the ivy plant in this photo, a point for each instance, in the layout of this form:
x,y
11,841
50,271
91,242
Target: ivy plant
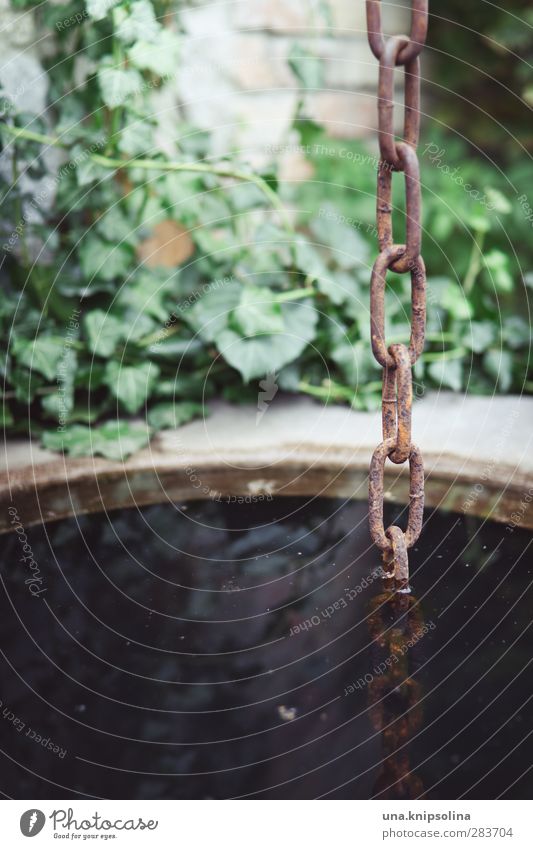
x,y
138,284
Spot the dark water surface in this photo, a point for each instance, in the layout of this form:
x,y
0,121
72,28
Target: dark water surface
x,y
218,650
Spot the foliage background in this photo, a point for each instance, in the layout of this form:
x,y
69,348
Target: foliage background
x,y
103,347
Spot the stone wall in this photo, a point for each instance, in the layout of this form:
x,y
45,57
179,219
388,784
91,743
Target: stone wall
x,y
236,80
234,77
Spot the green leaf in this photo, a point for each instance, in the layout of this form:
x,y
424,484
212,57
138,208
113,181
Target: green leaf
x,y
262,355
145,294
115,440
354,360
87,171
497,264
160,57
118,84
516,332
478,336
499,364
210,315
498,201
115,226
454,301
103,259
341,287
350,249
136,138
258,312
172,415
104,331
136,22
60,403
447,373
42,354
131,385
98,9
309,260
26,383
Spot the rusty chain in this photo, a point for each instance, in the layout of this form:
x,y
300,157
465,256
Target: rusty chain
x,y
397,360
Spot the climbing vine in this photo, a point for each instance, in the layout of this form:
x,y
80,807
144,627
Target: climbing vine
x,y
141,279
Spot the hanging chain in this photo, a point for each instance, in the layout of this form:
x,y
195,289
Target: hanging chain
x,y
397,360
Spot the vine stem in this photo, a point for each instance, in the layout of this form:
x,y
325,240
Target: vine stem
x,y
170,165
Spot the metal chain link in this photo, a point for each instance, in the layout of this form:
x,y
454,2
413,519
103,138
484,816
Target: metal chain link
x,y
397,360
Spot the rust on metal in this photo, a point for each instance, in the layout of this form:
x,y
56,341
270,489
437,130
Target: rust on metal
x,y
399,558
387,65
413,231
397,360
397,403
376,494
386,260
419,27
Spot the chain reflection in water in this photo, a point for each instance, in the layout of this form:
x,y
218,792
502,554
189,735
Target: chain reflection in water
x,y
396,626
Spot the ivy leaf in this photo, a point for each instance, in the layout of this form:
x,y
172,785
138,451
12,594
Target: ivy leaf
x,y
103,259
26,383
516,332
160,57
136,22
258,312
262,355
145,295
131,385
42,354
98,9
478,336
331,228
454,301
118,84
499,364
447,373
309,260
172,415
498,201
210,315
497,264
104,331
115,226
87,171
115,440
136,138
341,287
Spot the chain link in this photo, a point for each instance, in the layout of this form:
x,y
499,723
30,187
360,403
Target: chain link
x,y
419,28
397,360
